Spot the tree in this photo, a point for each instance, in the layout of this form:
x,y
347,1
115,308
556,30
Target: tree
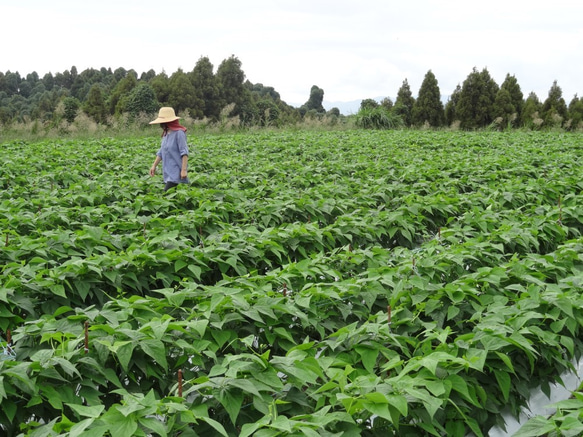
x,y
182,94
504,111
94,106
387,103
554,109
161,86
206,90
575,113
450,106
71,105
267,112
511,85
530,116
368,104
404,103
428,107
230,82
475,107
49,81
314,103
142,99
119,96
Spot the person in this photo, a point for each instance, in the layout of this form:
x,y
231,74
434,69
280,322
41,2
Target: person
x,y
173,152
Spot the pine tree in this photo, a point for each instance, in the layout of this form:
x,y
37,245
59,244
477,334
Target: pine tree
x,y
94,106
554,109
206,89
404,103
511,85
428,108
450,112
475,107
575,113
231,86
531,112
503,109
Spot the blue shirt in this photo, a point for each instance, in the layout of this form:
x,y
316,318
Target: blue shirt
x,y
172,149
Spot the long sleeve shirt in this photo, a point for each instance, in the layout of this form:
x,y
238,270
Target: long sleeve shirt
x,y
172,149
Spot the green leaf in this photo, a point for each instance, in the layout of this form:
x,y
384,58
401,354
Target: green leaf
x,y
536,426
52,396
120,425
461,386
124,351
369,357
87,411
79,428
156,350
504,383
231,400
154,425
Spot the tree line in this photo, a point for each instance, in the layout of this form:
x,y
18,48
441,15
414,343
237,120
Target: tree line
x,y
479,102
102,94
476,103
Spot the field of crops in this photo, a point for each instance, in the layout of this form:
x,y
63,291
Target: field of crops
x,y
305,283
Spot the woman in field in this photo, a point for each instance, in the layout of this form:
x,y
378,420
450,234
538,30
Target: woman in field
x,y
173,151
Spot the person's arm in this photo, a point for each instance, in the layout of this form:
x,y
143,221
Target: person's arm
x,y
153,168
184,167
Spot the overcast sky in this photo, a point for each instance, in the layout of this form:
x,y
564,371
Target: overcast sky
x,y
351,49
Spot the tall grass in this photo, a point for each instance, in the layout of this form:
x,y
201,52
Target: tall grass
x,y
127,126
378,118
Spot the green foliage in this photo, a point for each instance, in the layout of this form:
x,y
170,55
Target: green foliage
x,y
142,99
378,118
119,96
511,85
230,81
404,103
314,103
71,106
428,107
355,282
575,113
182,94
531,112
368,104
554,108
451,105
475,108
206,88
95,106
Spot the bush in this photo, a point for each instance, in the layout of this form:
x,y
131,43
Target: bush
x,y
378,118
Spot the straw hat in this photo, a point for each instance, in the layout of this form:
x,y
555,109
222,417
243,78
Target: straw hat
x,y
165,115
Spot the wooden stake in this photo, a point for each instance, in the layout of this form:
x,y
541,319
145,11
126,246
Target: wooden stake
x,y
389,313
179,383
9,341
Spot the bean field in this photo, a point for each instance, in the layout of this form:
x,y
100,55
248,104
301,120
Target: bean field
x,y
394,283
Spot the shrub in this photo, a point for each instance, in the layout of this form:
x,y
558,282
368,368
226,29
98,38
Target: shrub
x,y
378,118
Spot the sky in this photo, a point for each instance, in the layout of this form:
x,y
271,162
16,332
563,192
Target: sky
x,y
351,49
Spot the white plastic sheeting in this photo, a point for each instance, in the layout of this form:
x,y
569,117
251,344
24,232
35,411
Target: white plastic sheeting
x,y
538,403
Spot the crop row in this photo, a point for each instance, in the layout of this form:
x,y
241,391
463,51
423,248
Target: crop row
x,y
381,283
